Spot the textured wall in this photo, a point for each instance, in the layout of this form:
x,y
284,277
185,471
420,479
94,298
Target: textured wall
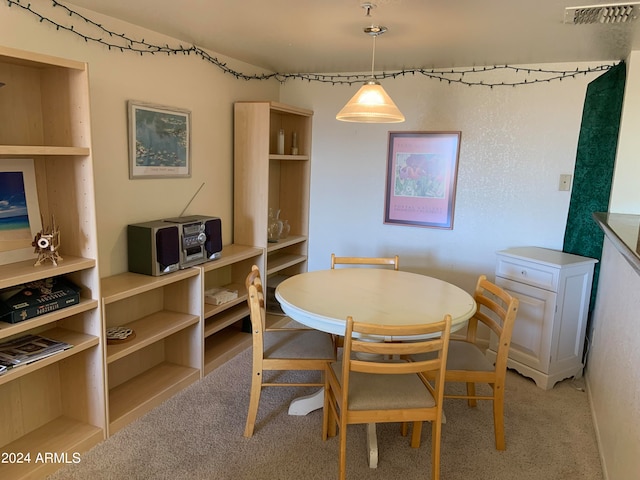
x,y
516,141
613,364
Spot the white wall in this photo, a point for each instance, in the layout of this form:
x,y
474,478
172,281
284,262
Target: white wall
x,y
612,368
624,191
516,141
179,81
612,373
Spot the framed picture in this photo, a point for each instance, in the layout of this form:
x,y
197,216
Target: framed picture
x,y
159,141
19,210
422,168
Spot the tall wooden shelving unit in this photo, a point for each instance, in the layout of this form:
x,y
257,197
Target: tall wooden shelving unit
x,y
264,179
56,404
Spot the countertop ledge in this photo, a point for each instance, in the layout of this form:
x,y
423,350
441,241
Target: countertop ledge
x,y
624,232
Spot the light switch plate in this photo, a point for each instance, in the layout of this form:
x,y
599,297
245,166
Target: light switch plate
x,y
565,183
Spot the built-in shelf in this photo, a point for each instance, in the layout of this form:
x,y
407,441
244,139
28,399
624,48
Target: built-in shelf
x,y
34,150
125,285
146,391
25,271
80,342
224,345
285,242
63,435
150,329
279,262
289,157
223,334
10,329
220,316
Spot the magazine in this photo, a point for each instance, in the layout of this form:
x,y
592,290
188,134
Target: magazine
x,y
28,349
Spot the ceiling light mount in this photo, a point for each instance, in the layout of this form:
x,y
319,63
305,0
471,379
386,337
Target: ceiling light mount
x,y
375,30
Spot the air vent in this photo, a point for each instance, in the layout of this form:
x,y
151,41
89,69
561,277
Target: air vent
x,y
609,13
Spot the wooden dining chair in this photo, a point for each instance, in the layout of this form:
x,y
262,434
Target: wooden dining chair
x,y
365,261
376,261
280,349
467,362
376,390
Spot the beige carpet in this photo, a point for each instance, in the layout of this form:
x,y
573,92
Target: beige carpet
x,y
198,435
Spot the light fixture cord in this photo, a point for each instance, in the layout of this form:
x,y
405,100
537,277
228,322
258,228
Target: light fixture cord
x,y
373,56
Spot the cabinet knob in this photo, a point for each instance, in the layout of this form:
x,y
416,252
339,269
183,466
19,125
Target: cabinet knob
x,y
523,273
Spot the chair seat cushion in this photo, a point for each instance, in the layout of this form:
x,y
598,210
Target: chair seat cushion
x,y
467,356
310,344
368,391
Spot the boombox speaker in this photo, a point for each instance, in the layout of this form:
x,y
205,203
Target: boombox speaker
x,y
213,231
153,248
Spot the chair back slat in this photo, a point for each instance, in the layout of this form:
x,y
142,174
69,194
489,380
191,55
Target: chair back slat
x,y
394,261
396,348
380,357
495,308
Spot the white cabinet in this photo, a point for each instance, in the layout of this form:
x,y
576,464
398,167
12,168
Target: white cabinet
x,y
554,289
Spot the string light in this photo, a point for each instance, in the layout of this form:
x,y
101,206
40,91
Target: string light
x,y
451,76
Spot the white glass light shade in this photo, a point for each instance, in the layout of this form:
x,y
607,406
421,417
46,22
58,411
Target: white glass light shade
x,y
370,104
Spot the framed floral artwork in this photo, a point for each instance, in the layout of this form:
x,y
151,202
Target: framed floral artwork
x,y
159,141
422,169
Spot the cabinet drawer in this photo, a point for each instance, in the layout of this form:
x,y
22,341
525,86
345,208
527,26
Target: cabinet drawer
x,y
531,273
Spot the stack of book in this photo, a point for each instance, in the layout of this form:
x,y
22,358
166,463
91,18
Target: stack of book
x,y
28,349
32,299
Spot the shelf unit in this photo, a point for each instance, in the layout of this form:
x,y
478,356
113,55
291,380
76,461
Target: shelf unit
x,y
166,354
264,179
56,404
223,334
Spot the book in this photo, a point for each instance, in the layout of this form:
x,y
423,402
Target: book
x,y
32,299
28,349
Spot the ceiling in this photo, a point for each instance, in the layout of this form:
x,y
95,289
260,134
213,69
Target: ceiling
x,y
304,36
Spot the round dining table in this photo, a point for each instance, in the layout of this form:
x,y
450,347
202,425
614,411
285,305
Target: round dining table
x,y
323,299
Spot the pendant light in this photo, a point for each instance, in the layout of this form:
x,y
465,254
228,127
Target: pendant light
x,y
371,104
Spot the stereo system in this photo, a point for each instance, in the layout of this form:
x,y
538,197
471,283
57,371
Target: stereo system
x,y
163,246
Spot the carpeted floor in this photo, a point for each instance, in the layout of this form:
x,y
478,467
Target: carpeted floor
x,y
198,435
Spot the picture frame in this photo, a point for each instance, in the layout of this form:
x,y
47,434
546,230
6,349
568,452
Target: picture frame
x,y
422,171
159,141
20,219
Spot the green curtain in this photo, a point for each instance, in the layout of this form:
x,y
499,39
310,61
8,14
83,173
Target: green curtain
x,y
595,159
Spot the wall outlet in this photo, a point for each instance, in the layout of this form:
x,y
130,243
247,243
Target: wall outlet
x,y
565,183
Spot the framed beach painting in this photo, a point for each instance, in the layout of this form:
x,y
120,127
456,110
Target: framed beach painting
x,y
422,169
159,141
19,210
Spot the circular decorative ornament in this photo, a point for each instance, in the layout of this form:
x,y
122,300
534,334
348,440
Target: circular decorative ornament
x,y
119,335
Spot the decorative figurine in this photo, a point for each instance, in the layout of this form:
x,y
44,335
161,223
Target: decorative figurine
x,y
46,243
